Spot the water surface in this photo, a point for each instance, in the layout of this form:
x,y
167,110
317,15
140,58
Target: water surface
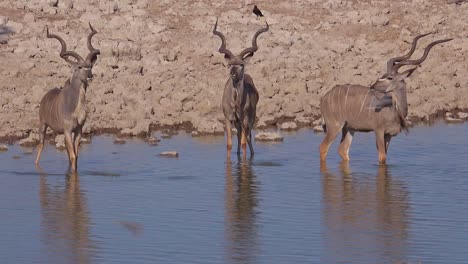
x,y
128,205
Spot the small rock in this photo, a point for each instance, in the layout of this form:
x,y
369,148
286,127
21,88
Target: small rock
x,y
318,128
462,115
195,134
171,132
153,140
85,141
268,136
173,154
141,129
289,125
317,122
166,136
453,120
448,114
3,147
119,141
30,141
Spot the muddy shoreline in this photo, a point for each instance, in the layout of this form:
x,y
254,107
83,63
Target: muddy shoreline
x,y
188,128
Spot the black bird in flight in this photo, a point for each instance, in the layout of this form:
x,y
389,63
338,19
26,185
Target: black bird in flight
x,y
257,11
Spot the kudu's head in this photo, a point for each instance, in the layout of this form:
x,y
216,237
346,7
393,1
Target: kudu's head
x,y
81,68
393,80
237,63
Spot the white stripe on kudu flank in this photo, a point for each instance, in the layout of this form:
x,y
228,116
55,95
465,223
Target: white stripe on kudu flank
x,y
346,98
370,105
363,101
329,101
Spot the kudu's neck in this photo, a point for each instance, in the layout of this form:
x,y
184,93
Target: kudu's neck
x,y
400,99
74,92
238,86
76,83
400,104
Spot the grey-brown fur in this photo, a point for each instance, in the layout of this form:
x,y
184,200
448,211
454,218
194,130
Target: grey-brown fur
x,y
240,96
382,108
64,110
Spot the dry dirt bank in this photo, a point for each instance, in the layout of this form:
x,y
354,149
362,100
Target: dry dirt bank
x,y
160,67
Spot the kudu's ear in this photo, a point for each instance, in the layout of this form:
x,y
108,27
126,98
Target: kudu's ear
x,y
247,58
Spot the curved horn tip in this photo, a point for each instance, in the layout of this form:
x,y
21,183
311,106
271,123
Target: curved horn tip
x,y
91,27
216,25
440,41
426,34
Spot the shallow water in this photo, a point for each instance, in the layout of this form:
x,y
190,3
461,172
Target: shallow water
x,y
129,205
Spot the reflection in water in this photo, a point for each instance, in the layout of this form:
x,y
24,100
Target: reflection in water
x,y
241,199
65,221
365,216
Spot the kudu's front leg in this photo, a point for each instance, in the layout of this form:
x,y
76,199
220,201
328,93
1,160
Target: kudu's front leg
x,y
77,140
332,132
346,139
248,132
244,142
381,146
228,133
71,150
387,138
239,136
249,141
42,133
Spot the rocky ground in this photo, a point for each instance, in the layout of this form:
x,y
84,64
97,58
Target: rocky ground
x,y
160,67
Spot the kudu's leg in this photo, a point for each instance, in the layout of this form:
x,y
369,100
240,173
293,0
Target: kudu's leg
x,y
346,139
228,133
332,132
380,142
244,142
77,140
245,133
42,133
387,138
250,125
239,136
249,141
71,150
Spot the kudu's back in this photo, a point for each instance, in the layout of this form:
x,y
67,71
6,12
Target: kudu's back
x,y
361,109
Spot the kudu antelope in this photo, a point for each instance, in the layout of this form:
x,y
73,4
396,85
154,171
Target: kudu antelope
x,y
240,96
64,110
382,108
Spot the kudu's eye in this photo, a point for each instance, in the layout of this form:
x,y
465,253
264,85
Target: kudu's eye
x,y
389,78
